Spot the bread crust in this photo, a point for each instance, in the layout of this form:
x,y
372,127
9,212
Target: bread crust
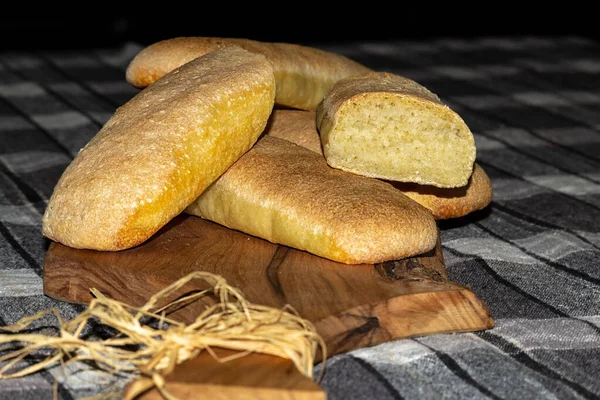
x,y
447,203
363,116
296,126
287,194
160,150
303,74
299,127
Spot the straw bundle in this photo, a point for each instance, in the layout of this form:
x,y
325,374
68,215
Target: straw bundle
x,y
149,352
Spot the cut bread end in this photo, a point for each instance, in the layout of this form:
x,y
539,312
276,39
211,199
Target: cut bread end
x,y
401,138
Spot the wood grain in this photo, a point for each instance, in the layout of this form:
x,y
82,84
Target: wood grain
x,y
351,306
252,378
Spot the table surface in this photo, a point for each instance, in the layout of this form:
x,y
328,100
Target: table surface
x,y
533,257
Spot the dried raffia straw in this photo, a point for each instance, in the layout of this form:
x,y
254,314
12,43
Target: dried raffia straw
x,y
231,323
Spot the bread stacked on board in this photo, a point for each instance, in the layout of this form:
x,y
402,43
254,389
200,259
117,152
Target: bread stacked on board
x,y
356,168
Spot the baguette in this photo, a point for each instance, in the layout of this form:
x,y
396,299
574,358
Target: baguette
x,y
160,150
300,127
287,194
389,127
303,74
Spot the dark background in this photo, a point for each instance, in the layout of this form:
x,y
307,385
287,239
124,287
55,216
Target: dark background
x,y
295,23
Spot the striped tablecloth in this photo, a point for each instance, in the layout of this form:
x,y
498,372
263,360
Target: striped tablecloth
x,y
534,257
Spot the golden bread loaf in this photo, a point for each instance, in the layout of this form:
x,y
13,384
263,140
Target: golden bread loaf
x,y
287,194
160,150
300,127
295,126
452,202
303,74
386,126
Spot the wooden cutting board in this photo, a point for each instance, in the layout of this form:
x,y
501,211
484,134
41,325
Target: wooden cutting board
x,y
351,306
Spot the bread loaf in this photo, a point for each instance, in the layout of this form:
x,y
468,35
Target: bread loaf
x,y
160,150
386,126
286,194
303,74
452,202
296,126
300,127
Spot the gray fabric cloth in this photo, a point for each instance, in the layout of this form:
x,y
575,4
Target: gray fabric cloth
x,y
533,257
